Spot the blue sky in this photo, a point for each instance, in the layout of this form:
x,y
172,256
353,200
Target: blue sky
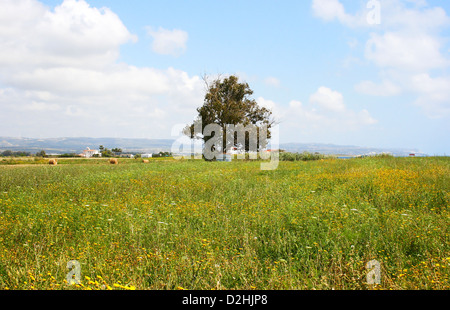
x,y
133,69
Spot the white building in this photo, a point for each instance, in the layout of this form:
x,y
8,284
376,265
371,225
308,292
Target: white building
x,y
146,156
89,153
127,155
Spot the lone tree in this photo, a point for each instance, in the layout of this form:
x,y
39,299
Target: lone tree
x,y
229,102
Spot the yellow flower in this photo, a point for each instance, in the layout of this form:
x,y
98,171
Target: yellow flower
x,y
131,287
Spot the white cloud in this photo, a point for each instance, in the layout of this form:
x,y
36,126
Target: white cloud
x,y
319,119
73,34
277,112
59,75
433,94
396,15
330,10
168,42
328,99
328,105
402,51
406,47
426,84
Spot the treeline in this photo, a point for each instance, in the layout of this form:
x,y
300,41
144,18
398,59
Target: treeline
x,y
15,154
9,153
105,153
305,156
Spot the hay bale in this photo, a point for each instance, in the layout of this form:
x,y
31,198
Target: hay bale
x,y
53,162
113,161
145,161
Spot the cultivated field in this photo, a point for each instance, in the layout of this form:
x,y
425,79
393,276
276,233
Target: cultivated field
x,y
172,224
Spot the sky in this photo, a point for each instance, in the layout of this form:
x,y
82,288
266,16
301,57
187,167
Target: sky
x,y
372,73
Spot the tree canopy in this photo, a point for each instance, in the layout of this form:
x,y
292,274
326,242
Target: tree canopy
x,y
228,102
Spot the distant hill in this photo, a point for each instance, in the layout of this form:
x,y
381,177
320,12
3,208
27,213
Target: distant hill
x,y
345,149
78,144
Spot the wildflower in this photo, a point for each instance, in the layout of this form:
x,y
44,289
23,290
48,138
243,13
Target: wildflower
x,y
131,287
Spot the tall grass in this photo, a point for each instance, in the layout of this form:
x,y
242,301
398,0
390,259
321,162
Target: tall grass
x,y
213,225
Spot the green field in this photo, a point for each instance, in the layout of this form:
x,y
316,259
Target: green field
x,y
203,225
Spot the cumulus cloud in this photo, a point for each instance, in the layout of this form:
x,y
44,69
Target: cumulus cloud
x,y
60,75
327,104
323,116
168,42
407,46
328,99
73,34
271,105
403,51
433,94
330,10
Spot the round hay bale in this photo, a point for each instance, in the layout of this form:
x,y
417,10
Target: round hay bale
x,y
53,162
145,161
113,161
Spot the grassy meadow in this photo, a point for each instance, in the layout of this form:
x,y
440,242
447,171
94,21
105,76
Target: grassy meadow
x,y
192,224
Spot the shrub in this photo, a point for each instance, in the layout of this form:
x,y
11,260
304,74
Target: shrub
x,y
305,156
